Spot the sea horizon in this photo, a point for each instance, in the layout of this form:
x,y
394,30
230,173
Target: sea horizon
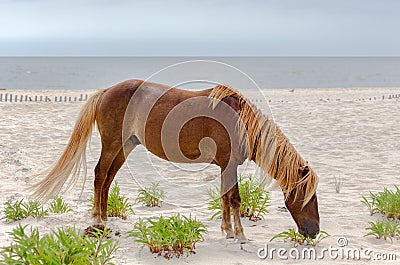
x,y
90,72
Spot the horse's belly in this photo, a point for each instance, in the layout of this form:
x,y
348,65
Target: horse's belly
x,y
182,145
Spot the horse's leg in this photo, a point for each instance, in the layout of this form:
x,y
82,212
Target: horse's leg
x,y
230,196
234,199
115,166
108,153
226,225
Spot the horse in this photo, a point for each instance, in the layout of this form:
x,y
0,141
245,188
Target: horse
x,y
216,125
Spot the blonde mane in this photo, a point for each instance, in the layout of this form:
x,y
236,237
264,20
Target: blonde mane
x,y
265,144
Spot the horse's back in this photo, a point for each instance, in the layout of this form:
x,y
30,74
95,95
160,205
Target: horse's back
x,y
171,123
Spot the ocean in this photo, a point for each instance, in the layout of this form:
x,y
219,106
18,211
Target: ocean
x,y
266,72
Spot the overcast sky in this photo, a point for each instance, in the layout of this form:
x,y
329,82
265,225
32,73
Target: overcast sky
x,y
200,28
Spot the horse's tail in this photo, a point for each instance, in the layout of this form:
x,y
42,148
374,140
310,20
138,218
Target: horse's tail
x,y
73,158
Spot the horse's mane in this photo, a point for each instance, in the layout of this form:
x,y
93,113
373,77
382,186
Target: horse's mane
x,y
265,144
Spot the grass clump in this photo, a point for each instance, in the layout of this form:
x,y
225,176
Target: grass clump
x,y
169,236
386,202
384,229
118,205
294,238
151,196
214,203
255,200
64,246
59,206
17,210
338,184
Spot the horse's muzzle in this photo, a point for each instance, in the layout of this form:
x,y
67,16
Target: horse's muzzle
x,y
310,229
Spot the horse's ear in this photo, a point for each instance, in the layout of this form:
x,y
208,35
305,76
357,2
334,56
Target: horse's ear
x,y
305,167
304,170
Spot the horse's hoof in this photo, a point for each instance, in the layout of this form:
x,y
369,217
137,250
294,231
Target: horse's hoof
x,y
241,239
229,234
97,220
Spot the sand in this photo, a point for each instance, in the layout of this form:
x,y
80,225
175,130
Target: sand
x,y
351,134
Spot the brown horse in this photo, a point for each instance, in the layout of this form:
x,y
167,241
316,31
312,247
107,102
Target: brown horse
x,y
216,126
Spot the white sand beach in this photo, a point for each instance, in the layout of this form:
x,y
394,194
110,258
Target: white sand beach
x,y
351,134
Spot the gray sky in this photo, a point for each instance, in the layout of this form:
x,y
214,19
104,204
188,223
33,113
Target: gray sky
x,y
200,28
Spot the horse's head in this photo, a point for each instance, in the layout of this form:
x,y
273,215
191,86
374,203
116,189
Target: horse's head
x,y
306,216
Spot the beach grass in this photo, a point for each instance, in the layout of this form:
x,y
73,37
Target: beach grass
x,y
62,246
386,202
254,199
20,209
295,238
151,196
384,229
169,236
59,206
118,204
338,184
